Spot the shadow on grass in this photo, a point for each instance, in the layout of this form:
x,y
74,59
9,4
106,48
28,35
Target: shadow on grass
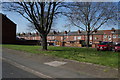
x,y
52,50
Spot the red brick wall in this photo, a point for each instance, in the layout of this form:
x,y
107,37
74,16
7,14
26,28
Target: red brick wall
x,y
95,38
8,30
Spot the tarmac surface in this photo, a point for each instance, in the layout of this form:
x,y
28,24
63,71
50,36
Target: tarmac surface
x,y
46,66
10,71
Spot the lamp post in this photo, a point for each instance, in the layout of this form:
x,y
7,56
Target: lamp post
x,y
112,31
36,35
64,38
23,35
54,32
94,32
30,36
79,35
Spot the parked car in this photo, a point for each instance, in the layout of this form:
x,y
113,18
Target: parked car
x,y
105,46
116,48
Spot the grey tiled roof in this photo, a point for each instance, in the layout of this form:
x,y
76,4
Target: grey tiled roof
x,y
100,32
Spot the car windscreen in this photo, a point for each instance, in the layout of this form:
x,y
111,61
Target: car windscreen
x,y
104,43
118,45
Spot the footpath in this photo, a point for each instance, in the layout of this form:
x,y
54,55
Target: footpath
x,y
47,66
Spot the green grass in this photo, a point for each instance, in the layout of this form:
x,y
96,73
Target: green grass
x,y
106,58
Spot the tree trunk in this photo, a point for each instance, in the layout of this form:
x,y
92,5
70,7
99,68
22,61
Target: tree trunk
x,y
44,42
88,35
88,39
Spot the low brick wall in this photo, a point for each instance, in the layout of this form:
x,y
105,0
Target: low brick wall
x,y
28,42
94,45
73,44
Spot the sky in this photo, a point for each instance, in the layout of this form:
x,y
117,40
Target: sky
x,y
65,0
22,23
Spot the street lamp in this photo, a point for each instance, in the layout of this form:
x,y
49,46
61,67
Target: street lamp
x,y
64,38
54,32
29,35
79,36
79,31
112,31
94,32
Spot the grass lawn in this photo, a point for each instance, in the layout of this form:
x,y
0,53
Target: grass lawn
x,y
91,55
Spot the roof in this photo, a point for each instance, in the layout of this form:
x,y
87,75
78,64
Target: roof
x,y
99,32
6,18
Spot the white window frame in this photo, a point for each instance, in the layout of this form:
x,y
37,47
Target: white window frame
x,y
53,37
79,37
118,36
109,37
105,36
95,38
90,37
61,38
114,36
75,37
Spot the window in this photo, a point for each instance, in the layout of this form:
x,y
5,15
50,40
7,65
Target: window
x,y
53,37
90,37
33,38
105,36
75,37
67,36
61,38
71,41
50,37
79,37
95,38
114,36
118,36
104,43
90,43
109,37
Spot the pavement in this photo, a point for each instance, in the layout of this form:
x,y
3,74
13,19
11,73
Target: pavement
x,y
10,71
47,66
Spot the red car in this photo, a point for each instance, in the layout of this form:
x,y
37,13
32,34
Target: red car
x,y
104,46
116,48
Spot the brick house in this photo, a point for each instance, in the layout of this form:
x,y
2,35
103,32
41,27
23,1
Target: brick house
x,y
77,38
8,30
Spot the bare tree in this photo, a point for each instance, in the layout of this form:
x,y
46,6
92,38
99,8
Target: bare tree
x,y
39,14
90,16
31,27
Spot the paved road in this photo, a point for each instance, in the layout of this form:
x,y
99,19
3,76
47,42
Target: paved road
x,y
10,71
36,63
45,70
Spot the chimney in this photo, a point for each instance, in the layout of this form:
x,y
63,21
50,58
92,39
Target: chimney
x,y
79,31
54,32
37,33
30,34
95,30
23,33
65,32
113,29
